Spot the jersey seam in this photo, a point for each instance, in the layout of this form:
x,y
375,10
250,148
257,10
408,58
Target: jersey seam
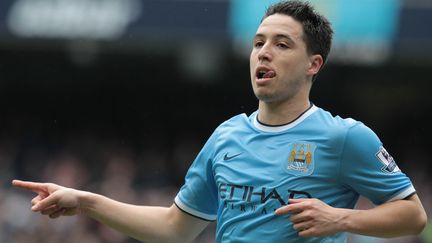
x,y
342,154
216,140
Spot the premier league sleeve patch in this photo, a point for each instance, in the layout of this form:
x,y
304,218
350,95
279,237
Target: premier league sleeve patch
x,y
388,161
301,158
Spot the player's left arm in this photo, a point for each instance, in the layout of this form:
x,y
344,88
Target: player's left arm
x,y
312,217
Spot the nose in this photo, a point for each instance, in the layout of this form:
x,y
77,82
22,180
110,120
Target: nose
x,y
265,54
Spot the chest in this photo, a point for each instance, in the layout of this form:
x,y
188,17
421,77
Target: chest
x,y
274,168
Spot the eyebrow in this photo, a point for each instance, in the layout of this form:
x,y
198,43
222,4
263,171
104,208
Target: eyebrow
x,y
278,36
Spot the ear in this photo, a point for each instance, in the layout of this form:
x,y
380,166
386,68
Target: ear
x,y
315,64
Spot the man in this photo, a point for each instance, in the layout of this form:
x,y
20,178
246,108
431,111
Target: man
x,y
290,172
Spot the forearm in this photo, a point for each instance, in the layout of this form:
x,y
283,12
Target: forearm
x,y
392,219
150,224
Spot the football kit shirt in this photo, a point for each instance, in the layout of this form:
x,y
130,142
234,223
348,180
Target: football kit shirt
x,y
246,170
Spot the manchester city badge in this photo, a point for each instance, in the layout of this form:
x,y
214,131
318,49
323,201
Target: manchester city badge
x,y
301,158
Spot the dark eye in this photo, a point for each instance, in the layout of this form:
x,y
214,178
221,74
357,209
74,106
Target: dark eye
x,y
258,43
283,45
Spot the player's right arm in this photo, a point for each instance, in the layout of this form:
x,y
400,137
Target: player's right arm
x,y
145,223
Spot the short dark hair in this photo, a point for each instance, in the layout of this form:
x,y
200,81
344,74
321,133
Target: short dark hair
x,y
317,29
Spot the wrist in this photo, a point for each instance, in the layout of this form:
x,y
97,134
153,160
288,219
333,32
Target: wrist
x,y
346,222
86,201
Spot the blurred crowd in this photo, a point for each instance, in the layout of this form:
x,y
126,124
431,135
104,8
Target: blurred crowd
x,y
97,165
150,175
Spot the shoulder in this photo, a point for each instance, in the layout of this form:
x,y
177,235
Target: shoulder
x,y
353,135
233,125
362,139
342,131
334,121
235,122
332,126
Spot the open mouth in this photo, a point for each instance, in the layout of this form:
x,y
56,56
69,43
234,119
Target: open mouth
x,y
264,73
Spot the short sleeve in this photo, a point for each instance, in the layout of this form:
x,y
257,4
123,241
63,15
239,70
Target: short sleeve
x,y
198,195
369,169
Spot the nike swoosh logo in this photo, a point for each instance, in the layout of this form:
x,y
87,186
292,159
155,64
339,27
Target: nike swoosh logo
x,y
226,157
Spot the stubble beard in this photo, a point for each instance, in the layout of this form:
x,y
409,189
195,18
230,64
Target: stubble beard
x,y
287,92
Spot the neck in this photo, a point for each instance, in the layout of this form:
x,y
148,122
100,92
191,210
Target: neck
x,y
278,113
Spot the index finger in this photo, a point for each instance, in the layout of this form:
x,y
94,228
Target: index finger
x,y
294,206
31,186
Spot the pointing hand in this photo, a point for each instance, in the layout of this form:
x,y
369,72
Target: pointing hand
x,y
52,200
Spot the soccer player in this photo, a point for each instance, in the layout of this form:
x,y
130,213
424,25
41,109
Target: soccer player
x,y
289,172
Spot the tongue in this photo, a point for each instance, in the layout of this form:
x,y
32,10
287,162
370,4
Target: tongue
x,y
269,74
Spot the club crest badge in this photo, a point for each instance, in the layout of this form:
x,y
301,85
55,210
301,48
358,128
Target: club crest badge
x,y
301,158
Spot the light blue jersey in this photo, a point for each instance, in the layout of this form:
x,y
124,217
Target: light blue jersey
x,y
246,170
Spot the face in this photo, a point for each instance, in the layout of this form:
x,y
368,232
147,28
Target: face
x,y
280,65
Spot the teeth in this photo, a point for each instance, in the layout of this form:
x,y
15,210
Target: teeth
x,y
261,74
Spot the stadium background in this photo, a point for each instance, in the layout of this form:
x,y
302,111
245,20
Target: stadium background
x,y
117,97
